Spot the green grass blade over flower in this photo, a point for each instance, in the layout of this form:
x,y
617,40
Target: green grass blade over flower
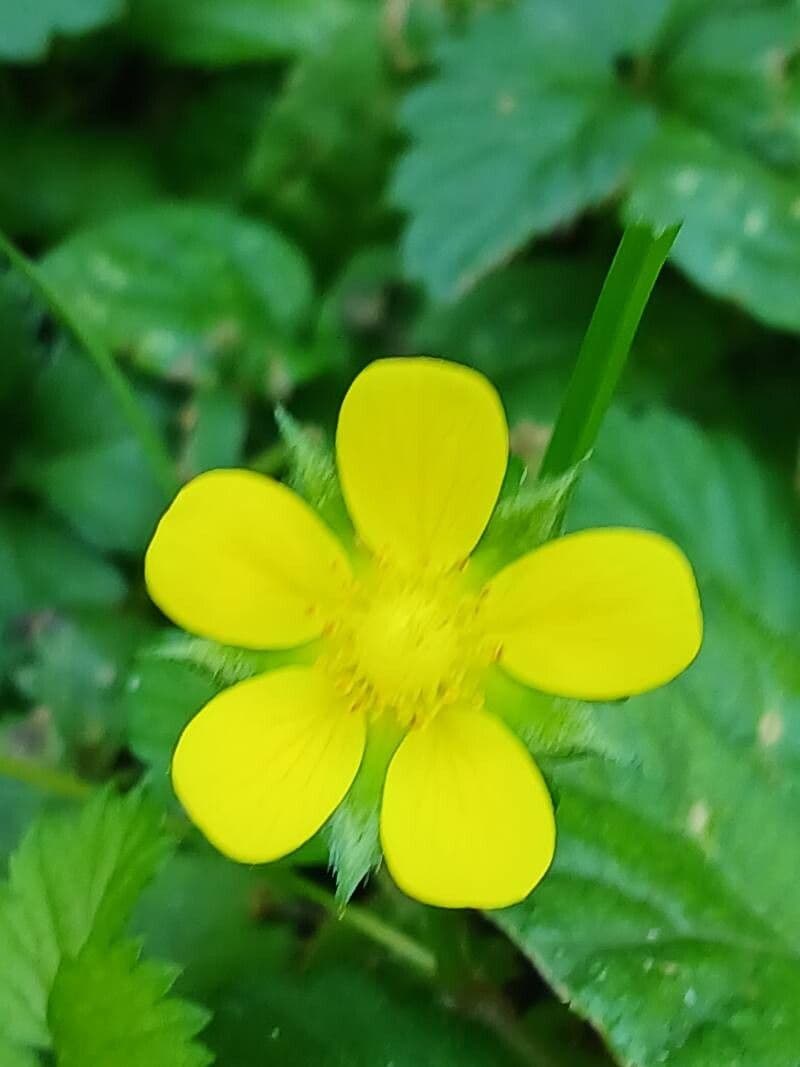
x,y
604,352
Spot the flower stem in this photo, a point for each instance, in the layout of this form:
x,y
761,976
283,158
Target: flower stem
x,y
606,345
152,445
46,779
398,943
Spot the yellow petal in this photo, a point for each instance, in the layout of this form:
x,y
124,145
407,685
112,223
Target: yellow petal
x,y
422,447
596,615
243,560
467,820
264,764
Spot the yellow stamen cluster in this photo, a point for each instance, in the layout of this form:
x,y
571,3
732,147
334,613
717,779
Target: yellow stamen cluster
x,y
407,645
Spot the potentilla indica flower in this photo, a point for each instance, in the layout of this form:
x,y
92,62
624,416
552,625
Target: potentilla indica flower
x,y
404,634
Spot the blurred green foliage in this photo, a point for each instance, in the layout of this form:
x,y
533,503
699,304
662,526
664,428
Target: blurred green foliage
x,y
242,202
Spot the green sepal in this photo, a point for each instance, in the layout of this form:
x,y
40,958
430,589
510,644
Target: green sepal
x,y
224,664
550,727
172,679
528,513
354,829
312,474
111,1006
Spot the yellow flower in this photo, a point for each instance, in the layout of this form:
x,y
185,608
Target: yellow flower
x,y
403,637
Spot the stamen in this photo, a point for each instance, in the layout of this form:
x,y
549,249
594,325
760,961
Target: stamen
x,y
407,646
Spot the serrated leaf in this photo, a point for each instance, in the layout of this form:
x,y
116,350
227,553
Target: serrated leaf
x,y
29,28
741,232
670,918
110,1007
73,880
526,125
230,305
544,108
221,32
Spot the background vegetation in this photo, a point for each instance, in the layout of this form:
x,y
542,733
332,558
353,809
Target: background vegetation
x,y
237,203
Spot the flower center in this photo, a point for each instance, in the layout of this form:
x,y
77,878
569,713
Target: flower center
x,y
407,645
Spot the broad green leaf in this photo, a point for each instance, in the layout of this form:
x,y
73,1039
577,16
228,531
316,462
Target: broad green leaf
x,y
110,1007
14,1056
73,880
82,458
204,912
27,29
741,232
161,698
43,566
221,32
74,669
338,1016
189,292
526,125
544,108
670,918
337,1004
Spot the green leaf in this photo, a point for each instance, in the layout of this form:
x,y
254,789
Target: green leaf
x,y
84,460
670,918
741,237
340,1002
230,304
161,697
526,125
205,912
221,32
341,1017
73,881
74,670
44,566
544,108
29,28
109,1007
14,1056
